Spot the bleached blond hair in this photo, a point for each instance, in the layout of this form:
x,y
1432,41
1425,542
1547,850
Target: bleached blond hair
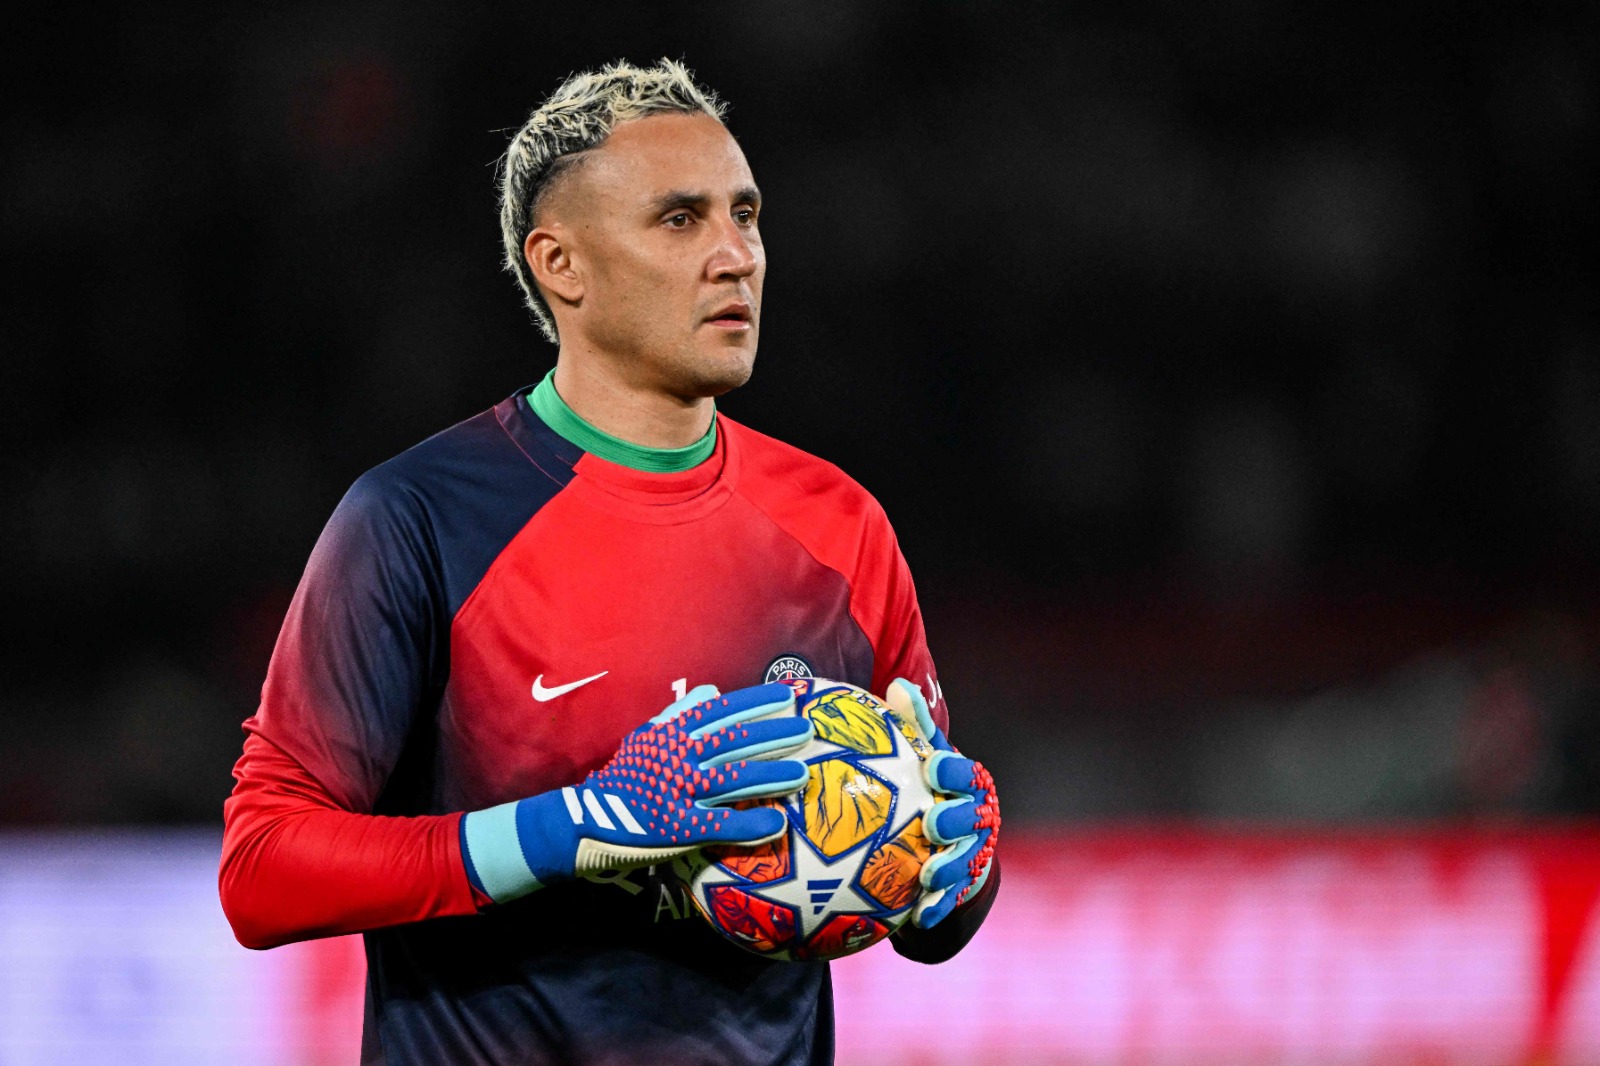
x,y
579,116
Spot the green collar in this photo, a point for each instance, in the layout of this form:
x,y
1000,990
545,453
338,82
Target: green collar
x,y
554,412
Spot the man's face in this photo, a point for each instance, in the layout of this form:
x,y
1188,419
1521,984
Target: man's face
x,y
660,224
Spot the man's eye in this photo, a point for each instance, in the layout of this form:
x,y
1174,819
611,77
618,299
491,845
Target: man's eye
x,y
679,220
746,216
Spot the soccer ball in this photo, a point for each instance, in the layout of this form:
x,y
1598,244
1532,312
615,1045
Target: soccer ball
x,y
845,873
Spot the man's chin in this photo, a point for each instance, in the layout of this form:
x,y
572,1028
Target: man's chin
x,y
716,373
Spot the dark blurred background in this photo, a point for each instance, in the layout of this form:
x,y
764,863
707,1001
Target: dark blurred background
x,y
1231,372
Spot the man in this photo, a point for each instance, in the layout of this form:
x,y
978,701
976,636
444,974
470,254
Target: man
x,y
488,616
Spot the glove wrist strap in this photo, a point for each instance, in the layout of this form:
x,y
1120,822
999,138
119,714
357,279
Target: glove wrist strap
x,y
508,849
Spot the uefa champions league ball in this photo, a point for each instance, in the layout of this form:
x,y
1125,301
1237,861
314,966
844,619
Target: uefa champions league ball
x,y
845,873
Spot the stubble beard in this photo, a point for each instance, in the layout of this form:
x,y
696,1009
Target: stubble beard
x,y
698,373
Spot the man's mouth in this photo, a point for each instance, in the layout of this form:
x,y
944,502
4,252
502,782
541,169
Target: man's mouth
x,y
732,316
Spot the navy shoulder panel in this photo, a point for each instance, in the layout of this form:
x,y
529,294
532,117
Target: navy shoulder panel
x,y
471,488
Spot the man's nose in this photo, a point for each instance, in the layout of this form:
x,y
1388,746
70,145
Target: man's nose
x,y
734,255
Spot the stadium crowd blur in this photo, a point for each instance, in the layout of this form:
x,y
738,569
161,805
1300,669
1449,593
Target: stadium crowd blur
x,y
1231,374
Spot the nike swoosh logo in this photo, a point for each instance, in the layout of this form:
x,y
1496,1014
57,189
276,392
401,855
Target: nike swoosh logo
x,y
543,694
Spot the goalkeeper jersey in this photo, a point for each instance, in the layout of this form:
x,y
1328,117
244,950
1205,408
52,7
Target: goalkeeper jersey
x,y
483,619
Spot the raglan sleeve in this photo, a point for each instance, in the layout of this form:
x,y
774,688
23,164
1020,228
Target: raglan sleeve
x,y
361,653
887,605
900,649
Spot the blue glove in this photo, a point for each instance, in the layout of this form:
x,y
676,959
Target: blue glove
x,y
662,795
964,828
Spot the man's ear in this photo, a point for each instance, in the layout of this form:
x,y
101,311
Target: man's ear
x,y
550,259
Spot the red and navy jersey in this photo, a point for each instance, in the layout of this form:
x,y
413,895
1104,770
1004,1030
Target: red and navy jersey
x,y
483,619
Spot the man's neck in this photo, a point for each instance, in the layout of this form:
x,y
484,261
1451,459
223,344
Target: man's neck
x,y
639,415
554,412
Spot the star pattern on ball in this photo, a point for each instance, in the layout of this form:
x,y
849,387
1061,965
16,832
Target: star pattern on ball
x,y
913,796
861,805
818,888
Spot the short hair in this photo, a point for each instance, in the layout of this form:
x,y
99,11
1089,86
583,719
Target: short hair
x,y
579,116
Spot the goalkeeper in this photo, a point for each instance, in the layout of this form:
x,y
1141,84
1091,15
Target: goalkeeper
x,y
461,749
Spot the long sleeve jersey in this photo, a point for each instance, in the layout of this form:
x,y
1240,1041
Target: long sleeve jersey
x,y
483,619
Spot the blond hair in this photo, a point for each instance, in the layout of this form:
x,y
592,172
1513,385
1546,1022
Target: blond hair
x,y
579,116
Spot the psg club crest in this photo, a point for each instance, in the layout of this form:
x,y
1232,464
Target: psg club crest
x,y
787,668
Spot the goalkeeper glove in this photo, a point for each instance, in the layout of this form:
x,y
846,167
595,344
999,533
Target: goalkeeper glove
x,y
964,828
662,795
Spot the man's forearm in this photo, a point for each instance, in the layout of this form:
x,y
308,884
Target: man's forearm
x,y
296,866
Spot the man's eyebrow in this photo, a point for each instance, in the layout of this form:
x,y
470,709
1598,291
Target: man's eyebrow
x,y
677,199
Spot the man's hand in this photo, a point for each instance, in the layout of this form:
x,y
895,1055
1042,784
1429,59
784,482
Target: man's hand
x,y
662,795
964,827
